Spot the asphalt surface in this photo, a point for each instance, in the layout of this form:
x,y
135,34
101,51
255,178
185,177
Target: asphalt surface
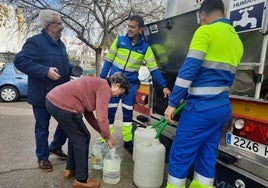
x,y
18,163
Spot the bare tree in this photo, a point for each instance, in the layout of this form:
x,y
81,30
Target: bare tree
x,y
3,15
95,22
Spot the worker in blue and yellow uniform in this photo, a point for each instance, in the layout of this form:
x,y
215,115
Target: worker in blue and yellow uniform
x,y
206,74
126,54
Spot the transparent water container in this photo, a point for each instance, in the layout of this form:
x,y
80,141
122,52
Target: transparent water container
x,y
111,167
99,150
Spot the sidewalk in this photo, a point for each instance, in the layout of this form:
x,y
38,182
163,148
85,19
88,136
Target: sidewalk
x,y
18,164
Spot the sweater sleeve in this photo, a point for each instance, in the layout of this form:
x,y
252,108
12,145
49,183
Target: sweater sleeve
x,y
103,96
91,119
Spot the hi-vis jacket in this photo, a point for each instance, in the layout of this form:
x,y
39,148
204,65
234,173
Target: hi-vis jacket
x,y
208,72
127,58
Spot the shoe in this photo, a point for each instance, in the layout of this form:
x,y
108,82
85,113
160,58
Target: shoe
x,y
129,147
95,183
60,154
91,183
45,165
68,174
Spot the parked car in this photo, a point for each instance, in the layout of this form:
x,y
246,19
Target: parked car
x,y
13,83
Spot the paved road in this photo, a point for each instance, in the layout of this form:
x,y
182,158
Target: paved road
x,y
18,164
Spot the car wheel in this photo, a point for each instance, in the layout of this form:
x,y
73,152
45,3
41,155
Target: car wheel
x,y
9,94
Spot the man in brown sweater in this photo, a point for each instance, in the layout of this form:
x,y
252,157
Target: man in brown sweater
x,y
68,103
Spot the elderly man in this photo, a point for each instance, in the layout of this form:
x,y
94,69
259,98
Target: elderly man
x,y
44,59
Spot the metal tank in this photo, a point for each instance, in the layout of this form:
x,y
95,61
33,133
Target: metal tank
x,y
178,7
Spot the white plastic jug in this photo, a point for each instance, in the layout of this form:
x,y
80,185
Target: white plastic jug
x,y
142,135
111,167
149,164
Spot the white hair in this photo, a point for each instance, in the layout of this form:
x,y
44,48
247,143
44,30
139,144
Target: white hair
x,y
46,16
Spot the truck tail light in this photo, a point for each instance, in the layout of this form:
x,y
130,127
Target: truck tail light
x,y
142,105
142,98
266,132
251,130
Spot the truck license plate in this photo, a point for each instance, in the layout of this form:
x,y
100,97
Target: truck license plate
x,y
247,145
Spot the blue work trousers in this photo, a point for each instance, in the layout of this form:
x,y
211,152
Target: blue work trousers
x,y
196,141
42,118
127,104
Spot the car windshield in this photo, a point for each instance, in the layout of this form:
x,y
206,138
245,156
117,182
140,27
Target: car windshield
x,y
2,65
7,57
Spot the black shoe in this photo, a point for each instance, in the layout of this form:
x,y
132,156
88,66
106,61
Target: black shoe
x,y
45,165
60,154
129,147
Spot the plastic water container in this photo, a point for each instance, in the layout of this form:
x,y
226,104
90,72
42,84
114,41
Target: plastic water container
x,y
149,164
111,167
96,156
99,150
104,150
142,135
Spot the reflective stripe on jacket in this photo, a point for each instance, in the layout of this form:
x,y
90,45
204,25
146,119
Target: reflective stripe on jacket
x,y
123,54
125,57
209,68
